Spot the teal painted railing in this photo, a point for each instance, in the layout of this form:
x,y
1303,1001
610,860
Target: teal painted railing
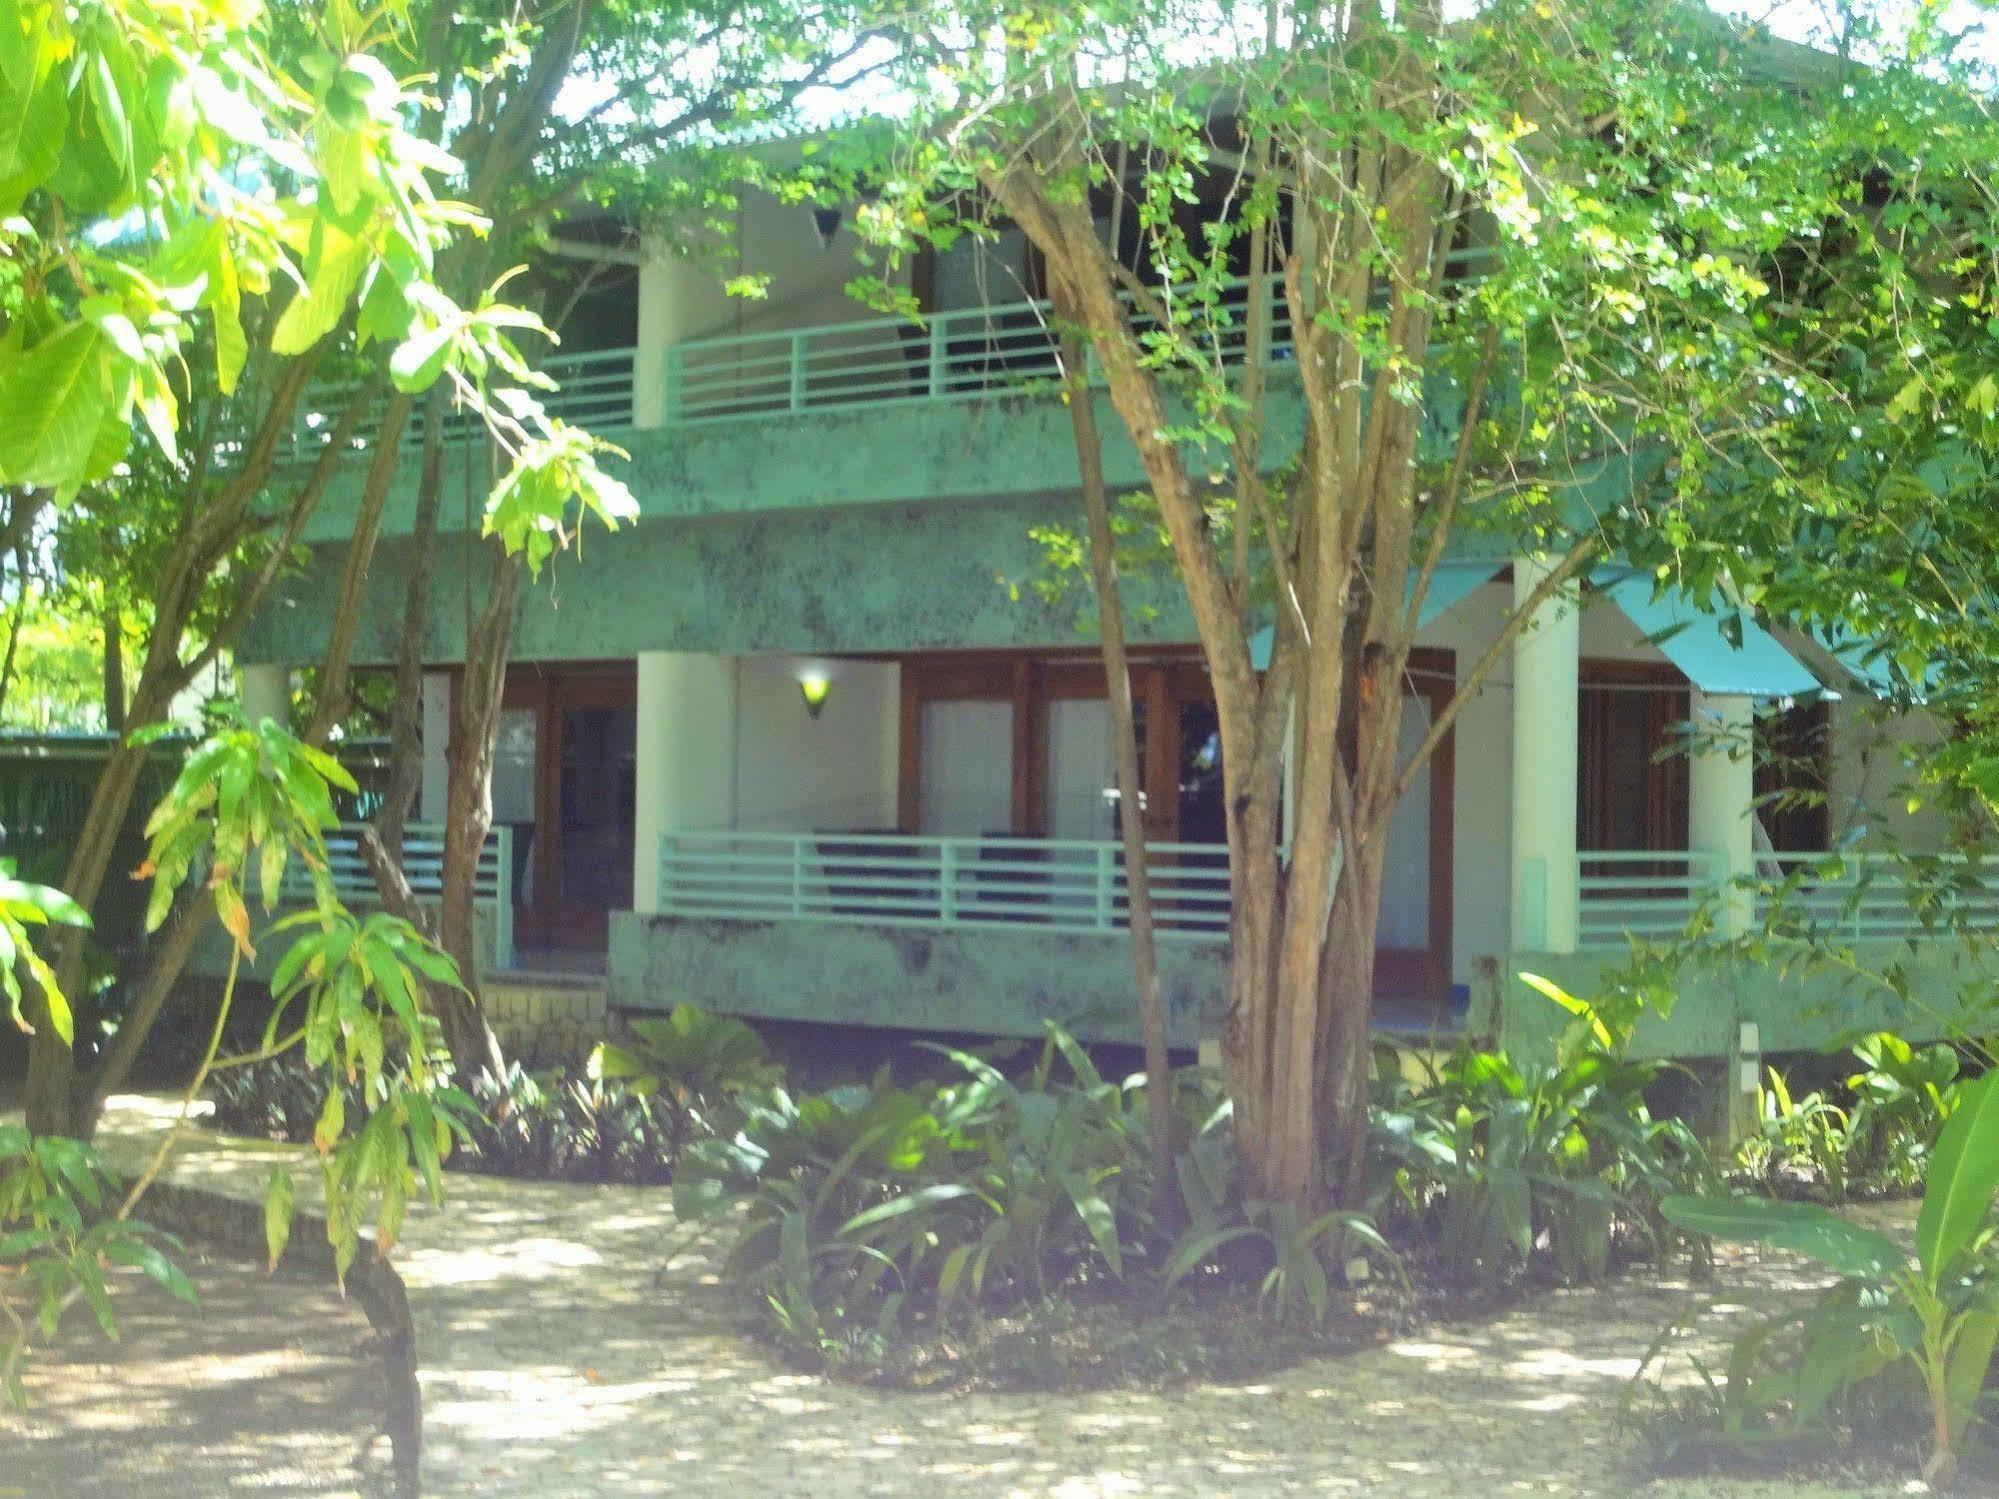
x,y
894,880
594,391
1858,897
1646,893
875,361
423,867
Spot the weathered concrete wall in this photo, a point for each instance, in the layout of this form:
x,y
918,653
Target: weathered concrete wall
x,y
997,982
1801,1008
885,578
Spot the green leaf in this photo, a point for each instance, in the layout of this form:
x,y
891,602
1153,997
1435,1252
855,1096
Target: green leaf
x,y
1964,1173
277,1213
1802,1227
53,401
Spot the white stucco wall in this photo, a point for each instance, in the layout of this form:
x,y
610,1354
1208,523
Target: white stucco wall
x,y
797,773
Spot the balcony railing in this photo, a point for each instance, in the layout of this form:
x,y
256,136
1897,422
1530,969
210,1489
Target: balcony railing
x,y
893,880
949,356
595,391
423,867
1858,897
1651,895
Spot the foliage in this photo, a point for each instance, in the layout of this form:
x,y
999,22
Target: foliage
x,y
1504,1164
1934,1316
863,1206
1256,1236
24,906
57,1235
1807,1138
1870,1138
557,1125
688,1068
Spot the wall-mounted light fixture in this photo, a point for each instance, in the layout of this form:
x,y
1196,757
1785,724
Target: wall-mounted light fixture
x,y
826,221
815,687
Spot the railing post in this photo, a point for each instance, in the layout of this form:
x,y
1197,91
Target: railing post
x,y
503,898
1106,907
663,857
797,877
940,354
798,371
947,881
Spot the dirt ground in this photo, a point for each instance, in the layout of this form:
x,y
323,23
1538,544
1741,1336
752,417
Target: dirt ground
x,y
273,1386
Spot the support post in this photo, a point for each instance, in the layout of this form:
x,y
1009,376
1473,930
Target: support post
x,y
1721,796
654,382
266,691
686,756
1546,668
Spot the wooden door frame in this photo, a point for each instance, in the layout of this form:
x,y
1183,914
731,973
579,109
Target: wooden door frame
x,y
1426,973
551,689
1164,679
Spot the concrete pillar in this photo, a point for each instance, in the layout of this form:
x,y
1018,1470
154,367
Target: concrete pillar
x,y
1721,794
686,756
266,691
1546,657
434,793
655,333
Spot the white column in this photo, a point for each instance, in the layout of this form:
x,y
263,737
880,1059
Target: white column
x,y
1546,655
266,692
434,794
655,333
686,756
1721,795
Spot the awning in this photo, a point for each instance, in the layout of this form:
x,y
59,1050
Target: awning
x,y
1450,585
1692,640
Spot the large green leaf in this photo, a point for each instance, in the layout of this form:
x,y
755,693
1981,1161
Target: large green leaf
x,y
1803,1227
1964,1173
52,403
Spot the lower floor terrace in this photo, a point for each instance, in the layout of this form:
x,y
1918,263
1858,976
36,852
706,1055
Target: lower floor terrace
x,y
932,839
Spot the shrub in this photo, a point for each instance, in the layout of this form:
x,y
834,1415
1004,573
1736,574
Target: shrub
x,y
863,1206
1503,1166
1915,1332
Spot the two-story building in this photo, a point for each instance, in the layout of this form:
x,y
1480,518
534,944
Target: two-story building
x,y
808,742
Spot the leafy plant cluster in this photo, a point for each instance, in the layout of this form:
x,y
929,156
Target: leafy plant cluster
x,y
1868,1138
57,1236
1508,1168
1901,1340
866,1215
624,1116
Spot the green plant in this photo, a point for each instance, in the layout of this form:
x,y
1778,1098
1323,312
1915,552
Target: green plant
x,y
1800,1141
1902,1096
865,1206
689,1064
1501,1162
1268,1242
1936,1313
56,1237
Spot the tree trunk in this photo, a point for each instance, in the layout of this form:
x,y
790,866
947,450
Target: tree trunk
x,y
1160,1119
406,716
114,669
475,731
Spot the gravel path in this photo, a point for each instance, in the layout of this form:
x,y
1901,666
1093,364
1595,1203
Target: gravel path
x,y
570,1344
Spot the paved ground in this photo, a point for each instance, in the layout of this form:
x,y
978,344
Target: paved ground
x,y
567,1349
274,1388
